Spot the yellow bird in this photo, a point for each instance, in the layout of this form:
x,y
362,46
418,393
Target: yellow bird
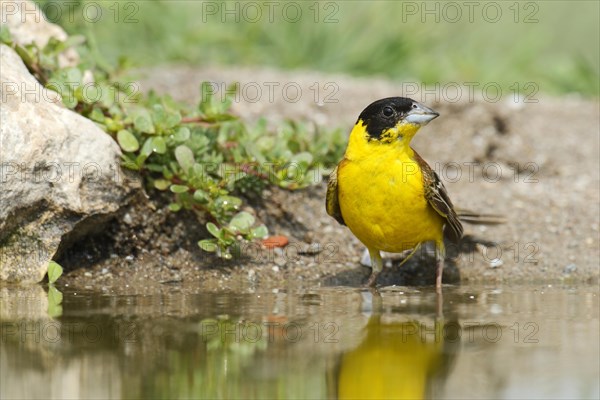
x,y
386,194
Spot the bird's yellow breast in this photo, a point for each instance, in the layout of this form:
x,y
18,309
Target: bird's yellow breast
x,y
382,199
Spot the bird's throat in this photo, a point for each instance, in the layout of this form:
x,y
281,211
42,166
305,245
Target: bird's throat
x,y
394,141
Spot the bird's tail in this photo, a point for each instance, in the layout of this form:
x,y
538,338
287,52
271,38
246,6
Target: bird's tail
x,y
475,218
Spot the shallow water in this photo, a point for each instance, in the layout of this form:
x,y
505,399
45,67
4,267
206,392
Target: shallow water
x,y
475,342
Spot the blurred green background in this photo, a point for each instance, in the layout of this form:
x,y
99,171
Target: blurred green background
x,y
554,44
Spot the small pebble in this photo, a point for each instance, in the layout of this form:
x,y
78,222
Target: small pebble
x,y
281,261
328,229
313,248
275,268
87,274
496,262
127,219
275,241
309,237
570,269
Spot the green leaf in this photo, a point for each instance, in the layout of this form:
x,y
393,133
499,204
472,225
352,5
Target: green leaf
x,y
242,221
163,118
54,271
229,202
303,158
55,298
185,157
213,230
161,184
182,134
198,171
230,95
179,188
69,100
5,36
26,54
259,232
159,145
209,245
147,148
166,172
54,46
199,141
173,119
108,95
129,163
200,196
174,207
143,123
96,115
112,125
127,141
91,95
155,167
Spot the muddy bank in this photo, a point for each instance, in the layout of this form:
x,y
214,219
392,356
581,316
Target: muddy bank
x,y
536,163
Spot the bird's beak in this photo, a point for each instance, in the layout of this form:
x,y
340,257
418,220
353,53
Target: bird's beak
x,y
420,115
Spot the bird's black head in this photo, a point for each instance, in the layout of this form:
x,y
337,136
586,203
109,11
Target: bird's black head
x,y
385,114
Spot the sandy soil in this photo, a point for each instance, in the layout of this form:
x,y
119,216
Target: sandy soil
x,y
537,163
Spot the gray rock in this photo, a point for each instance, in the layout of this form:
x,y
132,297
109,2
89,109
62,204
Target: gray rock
x,y
27,24
60,174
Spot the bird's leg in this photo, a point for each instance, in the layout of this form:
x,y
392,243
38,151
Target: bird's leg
x,y
376,265
438,273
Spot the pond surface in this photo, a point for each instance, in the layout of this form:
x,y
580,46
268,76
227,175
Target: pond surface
x,y
475,342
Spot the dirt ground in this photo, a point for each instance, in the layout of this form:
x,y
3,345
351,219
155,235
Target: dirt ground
x,y
536,163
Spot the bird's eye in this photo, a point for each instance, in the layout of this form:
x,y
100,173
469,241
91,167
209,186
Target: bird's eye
x,y
414,105
388,111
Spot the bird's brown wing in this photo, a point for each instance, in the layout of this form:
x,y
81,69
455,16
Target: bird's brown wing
x,y
332,203
477,218
436,195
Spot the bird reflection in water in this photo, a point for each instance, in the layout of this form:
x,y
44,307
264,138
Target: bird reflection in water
x,y
402,356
